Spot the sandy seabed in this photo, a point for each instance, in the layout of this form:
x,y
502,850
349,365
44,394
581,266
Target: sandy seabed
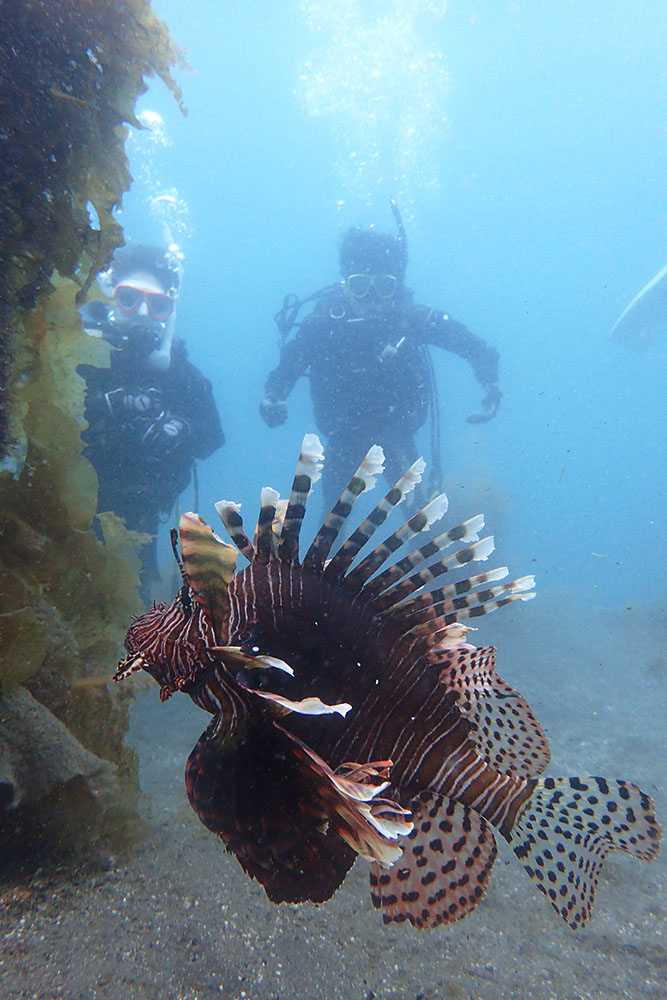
x,y
177,919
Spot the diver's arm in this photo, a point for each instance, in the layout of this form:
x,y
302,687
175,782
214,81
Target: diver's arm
x,y
294,360
439,330
191,400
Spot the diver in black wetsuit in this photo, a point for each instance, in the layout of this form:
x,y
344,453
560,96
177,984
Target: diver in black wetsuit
x,y
152,412
365,350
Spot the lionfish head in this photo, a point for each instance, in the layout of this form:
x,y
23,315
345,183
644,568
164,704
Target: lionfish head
x,y
166,641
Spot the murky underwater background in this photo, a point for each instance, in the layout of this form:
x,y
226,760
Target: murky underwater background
x,y
526,145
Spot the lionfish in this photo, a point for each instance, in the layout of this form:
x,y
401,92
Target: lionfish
x,y
351,716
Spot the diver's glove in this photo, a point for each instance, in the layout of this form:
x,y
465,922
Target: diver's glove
x,y
273,411
490,405
165,434
124,405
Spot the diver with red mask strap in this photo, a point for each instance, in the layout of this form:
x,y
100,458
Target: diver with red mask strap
x,y
151,413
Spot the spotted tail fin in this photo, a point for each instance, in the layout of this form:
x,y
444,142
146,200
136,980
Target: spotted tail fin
x,y
567,827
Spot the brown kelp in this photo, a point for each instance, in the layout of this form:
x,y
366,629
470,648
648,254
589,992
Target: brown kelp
x,y
71,71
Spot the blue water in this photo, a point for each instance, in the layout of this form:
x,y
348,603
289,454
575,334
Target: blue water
x,y
526,144
534,215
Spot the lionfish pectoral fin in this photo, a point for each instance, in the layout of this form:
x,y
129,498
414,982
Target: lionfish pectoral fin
x,y
236,656
209,566
369,824
306,706
565,830
445,868
250,788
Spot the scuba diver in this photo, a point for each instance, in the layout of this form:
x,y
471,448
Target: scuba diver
x,y
365,349
151,413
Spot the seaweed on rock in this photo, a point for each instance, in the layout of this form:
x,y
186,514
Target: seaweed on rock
x,y
70,73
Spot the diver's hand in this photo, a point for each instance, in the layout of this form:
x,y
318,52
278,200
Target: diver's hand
x,y
273,411
165,434
125,405
490,405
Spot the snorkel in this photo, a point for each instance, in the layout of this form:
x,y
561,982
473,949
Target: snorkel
x,y
402,237
160,358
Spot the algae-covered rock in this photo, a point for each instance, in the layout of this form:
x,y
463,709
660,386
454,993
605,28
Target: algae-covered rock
x,y
70,74
39,755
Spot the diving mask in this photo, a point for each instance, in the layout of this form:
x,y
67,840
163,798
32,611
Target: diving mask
x,y
129,299
360,285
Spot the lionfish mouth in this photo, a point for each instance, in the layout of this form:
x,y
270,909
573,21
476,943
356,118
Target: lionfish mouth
x,y
351,716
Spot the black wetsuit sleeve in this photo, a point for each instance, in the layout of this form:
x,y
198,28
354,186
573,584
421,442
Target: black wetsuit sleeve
x,y
198,406
438,329
295,359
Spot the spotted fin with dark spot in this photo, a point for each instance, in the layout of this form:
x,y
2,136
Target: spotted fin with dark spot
x,y
505,730
568,827
445,867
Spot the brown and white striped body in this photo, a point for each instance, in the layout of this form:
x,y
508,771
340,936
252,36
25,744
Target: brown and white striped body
x,y
331,680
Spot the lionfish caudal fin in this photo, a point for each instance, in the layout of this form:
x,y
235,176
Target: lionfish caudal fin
x,y
567,828
562,836
561,829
